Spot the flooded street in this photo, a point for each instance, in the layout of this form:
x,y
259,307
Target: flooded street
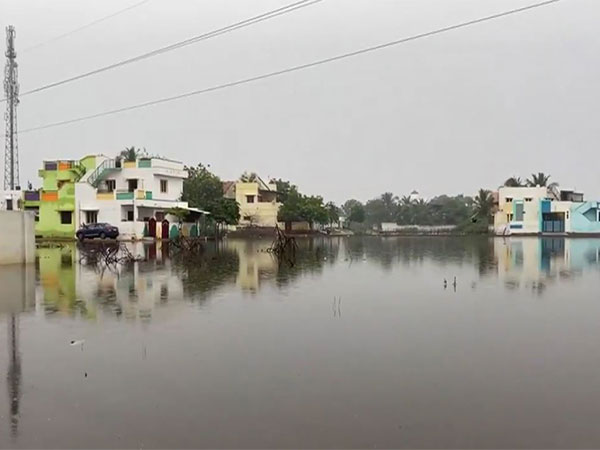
x,y
360,344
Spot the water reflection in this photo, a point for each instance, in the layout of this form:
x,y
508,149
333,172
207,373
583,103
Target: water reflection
x,y
271,346
535,264
135,290
18,295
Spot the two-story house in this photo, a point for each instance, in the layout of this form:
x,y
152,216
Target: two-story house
x,y
258,201
134,196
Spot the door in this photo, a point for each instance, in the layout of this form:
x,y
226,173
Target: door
x,y
165,229
152,227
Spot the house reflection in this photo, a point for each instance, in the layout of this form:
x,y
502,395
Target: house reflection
x,y
537,262
255,263
130,290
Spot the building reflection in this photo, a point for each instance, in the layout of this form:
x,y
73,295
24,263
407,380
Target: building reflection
x,y
136,291
536,263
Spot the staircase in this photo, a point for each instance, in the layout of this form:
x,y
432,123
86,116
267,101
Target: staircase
x,y
79,171
99,172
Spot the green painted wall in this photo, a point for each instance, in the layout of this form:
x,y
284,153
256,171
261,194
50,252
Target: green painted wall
x,y
63,183
89,162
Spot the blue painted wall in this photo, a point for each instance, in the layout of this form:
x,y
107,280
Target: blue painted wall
x,y
584,221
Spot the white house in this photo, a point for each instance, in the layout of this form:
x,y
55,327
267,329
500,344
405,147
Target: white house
x,y
10,200
135,196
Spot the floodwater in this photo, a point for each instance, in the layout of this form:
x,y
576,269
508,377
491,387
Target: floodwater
x,y
359,344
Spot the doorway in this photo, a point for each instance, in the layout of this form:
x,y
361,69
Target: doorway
x,y
152,227
165,229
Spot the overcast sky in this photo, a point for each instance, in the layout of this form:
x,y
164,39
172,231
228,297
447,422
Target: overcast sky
x,y
446,114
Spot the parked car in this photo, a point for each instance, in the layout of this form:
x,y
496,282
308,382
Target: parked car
x,y
101,230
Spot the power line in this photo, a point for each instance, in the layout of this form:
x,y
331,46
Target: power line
x,y
236,26
294,68
83,27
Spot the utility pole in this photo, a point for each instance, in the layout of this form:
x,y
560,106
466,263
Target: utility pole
x,y
11,93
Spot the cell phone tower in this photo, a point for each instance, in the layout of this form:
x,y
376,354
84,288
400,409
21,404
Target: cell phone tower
x,y
11,94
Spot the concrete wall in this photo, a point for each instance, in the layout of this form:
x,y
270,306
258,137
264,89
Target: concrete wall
x,y
17,237
18,288
584,217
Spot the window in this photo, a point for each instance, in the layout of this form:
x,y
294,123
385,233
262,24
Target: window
x,y
91,216
111,185
508,199
163,186
66,217
130,216
132,185
519,212
567,214
9,204
598,217
509,217
528,199
249,198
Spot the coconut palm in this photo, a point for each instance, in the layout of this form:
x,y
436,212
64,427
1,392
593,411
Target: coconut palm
x,y
129,154
248,177
513,182
483,204
539,179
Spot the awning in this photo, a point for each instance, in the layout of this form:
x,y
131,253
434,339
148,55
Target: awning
x,y
196,210
89,208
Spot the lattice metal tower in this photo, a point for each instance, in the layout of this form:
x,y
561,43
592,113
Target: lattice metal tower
x,y
11,93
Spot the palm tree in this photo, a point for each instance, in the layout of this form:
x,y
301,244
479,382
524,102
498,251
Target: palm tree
x,y
390,204
129,154
404,210
513,182
539,179
483,204
406,200
248,177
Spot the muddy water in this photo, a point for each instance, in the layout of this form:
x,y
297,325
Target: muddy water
x,y
359,344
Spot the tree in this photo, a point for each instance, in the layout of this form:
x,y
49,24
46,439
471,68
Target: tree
x,y
313,210
248,177
225,210
349,205
357,213
130,153
333,213
483,204
180,213
283,189
202,189
539,179
297,207
390,201
513,182
291,208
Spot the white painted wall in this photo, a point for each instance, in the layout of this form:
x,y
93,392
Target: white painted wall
x,y
6,196
17,238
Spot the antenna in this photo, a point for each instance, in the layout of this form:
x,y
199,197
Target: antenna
x,y
11,93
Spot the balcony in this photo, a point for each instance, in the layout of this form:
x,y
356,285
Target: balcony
x,y
108,195
124,195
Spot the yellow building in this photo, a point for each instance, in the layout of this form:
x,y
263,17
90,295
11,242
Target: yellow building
x,y
257,200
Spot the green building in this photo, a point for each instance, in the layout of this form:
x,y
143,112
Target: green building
x,y
55,201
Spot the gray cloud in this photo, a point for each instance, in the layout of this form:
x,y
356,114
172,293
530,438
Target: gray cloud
x,y
447,114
